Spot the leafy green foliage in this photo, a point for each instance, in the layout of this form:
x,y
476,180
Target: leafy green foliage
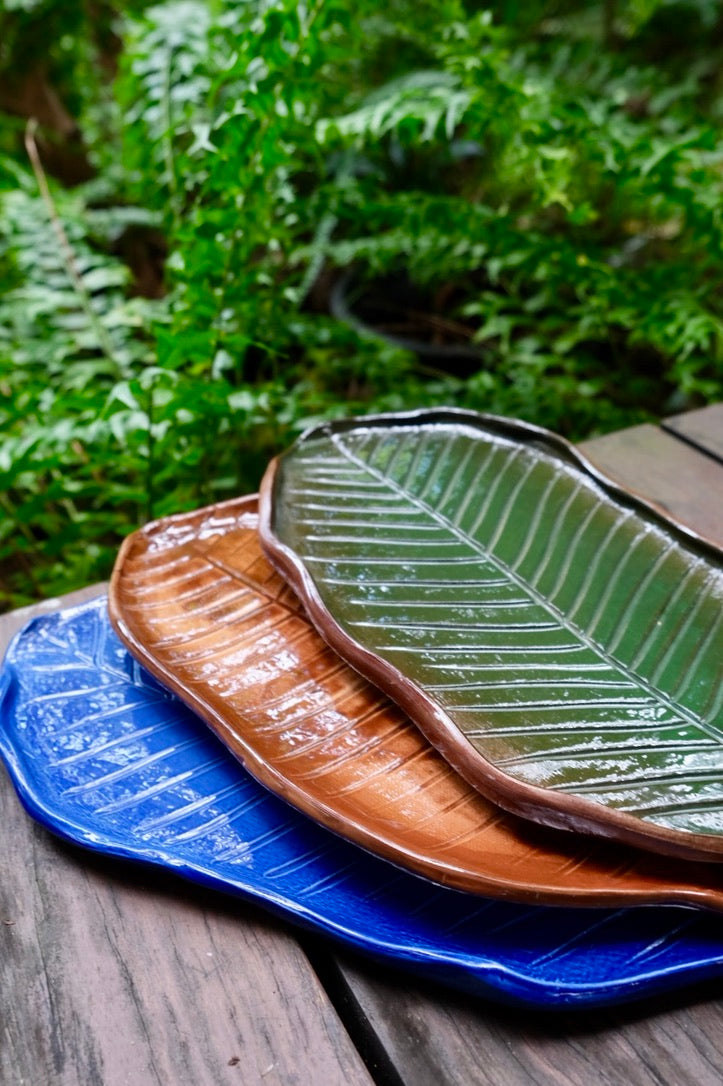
x,y
588,217
546,180
68,341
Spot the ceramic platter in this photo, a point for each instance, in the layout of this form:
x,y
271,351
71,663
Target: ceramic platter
x,y
558,640
197,603
103,755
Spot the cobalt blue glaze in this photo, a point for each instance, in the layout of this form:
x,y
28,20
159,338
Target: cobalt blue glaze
x,y
101,754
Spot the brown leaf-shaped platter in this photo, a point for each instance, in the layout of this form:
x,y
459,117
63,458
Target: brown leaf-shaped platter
x,y
199,606
558,640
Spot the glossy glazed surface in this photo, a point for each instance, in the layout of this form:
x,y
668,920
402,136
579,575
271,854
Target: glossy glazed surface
x,y
558,641
197,603
102,755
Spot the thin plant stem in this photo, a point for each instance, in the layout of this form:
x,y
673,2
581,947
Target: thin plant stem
x,y
609,27
149,461
168,137
65,247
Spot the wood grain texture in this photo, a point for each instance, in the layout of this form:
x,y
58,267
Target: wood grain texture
x,y
110,975
702,428
432,1038
686,484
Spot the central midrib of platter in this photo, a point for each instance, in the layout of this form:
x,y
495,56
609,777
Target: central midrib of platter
x,y
375,590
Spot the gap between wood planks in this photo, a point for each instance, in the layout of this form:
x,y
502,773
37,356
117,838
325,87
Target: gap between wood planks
x,y
351,1014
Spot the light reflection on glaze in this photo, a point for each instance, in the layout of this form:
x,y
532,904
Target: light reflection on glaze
x,y
222,830
316,733
641,614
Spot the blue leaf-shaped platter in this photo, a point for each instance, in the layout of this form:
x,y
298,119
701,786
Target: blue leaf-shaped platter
x,y
101,754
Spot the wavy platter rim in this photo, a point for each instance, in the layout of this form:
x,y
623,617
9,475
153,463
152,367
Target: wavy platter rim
x,y
473,972
562,811
693,886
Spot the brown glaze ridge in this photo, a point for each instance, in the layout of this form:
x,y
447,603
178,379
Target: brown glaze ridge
x,y
197,603
322,450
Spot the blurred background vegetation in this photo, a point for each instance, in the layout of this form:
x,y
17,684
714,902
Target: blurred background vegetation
x,y
223,220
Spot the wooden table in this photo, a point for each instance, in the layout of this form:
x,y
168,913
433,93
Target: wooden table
x,y
113,974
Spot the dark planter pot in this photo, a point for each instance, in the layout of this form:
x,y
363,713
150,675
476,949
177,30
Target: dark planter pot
x,y
395,310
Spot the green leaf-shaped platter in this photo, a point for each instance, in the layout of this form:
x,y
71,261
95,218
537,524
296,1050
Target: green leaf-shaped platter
x,y
557,639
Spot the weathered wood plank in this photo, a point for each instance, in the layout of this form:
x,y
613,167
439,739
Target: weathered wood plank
x,y
112,974
702,428
436,1039
685,483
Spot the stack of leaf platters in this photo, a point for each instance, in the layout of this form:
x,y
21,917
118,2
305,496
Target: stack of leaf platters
x,y
446,639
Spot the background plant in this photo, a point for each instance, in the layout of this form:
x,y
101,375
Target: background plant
x,y
549,174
